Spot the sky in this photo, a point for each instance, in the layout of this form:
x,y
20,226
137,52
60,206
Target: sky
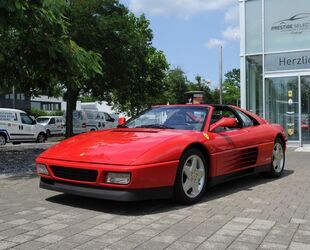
x,y
190,31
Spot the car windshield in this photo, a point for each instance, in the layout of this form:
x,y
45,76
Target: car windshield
x,y
42,120
171,117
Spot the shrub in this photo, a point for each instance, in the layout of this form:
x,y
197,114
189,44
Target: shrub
x,y
38,112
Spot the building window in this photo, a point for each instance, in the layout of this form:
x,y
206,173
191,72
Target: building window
x,y
287,25
253,26
50,106
254,84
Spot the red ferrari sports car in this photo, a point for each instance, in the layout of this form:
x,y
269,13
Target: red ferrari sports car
x,y
173,151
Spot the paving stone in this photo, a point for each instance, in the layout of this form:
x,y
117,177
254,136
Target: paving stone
x,y
298,221
6,245
79,238
262,225
299,246
183,245
50,238
22,238
153,245
238,245
62,245
302,236
32,245
18,222
272,246
55,226
210,245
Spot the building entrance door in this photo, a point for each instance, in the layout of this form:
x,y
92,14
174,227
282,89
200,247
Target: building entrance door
x,y
282,104
305,109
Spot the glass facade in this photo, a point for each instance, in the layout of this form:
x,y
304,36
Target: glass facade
x,y
282,104
305,108
253,27
254,79
275,63
287,25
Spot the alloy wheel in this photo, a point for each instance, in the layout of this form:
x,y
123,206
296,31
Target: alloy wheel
x,y
193,176
278,157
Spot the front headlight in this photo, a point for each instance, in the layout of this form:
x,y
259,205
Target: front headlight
x,y
42,169
118,178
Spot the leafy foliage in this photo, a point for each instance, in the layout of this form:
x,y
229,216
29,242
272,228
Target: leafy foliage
x,y
37,54
176,84
231,87
133,70
39,112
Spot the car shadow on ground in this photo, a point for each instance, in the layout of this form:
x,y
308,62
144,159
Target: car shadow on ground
x,y
160,206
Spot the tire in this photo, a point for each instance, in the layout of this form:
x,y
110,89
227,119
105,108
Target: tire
x,y
2,140
48,133
41,138
16,143
278,160
191,178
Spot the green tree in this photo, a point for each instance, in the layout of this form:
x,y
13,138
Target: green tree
x,y
133,70
37,54
231,87
176,84
202,85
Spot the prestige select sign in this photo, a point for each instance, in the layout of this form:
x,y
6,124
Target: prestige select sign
x,y
298,23
287,61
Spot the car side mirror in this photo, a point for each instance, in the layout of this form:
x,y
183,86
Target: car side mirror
x,y
224,122
121,121
34,122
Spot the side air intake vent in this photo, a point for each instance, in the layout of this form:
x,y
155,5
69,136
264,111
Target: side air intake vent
x,y
243,158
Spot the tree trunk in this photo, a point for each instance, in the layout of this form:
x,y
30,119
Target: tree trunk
x,y
72,95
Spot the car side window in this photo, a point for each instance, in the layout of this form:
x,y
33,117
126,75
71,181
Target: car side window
x,y
52,121
246,120
221,112
108,117
26,119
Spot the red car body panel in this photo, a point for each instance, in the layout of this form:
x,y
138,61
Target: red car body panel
x,y
152,156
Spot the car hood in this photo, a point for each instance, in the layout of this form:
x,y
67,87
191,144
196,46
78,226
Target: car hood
x,y
117,146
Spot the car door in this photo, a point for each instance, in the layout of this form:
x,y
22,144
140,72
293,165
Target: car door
x,y
109,121
235,149
10,122
52,125
28,127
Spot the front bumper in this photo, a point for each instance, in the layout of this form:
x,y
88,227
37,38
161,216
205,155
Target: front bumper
x,y
107,193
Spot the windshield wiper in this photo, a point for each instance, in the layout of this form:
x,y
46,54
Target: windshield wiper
x,y
160,126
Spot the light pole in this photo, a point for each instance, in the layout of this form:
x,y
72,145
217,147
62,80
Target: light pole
x,y
220,59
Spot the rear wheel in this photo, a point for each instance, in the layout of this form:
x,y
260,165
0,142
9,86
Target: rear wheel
x,y
41,138
2,139
278,159
191,177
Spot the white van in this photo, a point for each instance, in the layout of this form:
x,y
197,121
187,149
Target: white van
x,y
91,120
54,125
16,126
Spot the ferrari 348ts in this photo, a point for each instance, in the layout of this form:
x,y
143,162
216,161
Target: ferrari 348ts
x,y
173,151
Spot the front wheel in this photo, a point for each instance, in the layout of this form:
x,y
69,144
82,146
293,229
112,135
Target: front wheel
x,y
41,138
191,177
278,160
2,140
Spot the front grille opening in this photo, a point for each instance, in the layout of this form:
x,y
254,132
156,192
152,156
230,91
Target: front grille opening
x,y
75,174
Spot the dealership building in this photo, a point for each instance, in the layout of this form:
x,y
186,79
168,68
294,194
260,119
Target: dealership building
x,y
275,63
